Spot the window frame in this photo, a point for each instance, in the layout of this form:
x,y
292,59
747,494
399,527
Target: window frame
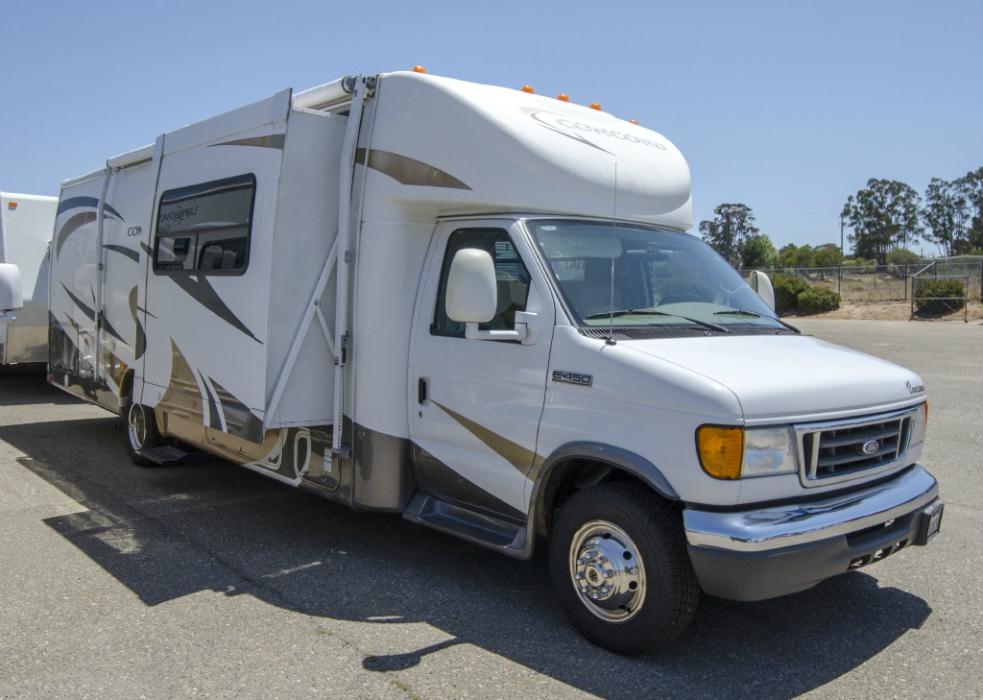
x,y
188,191
440,292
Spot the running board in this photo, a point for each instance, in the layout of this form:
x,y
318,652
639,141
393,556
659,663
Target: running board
x,y
165,455
479,528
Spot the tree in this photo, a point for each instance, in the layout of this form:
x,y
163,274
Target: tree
x,y
883,215
946,215
827,255
792,255
758,252
971,189
732,223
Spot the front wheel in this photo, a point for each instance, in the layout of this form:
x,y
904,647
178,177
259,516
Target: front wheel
x,y
620,568
140,429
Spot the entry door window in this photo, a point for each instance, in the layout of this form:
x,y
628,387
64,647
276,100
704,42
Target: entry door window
x,y
510,273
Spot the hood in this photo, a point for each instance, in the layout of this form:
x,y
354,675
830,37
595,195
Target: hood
x,y
790,376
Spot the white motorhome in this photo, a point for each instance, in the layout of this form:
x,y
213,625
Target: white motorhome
x,y
481,308
26,221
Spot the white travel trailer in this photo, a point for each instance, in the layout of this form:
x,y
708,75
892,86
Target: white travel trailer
x,y
26,221
480,308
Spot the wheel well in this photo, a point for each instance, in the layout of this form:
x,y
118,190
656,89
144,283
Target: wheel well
x,y
572,475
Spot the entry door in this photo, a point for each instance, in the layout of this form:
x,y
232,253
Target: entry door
x,y
475,405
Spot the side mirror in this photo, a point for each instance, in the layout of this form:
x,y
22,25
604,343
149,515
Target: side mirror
x,y
761,284
11,294
472,291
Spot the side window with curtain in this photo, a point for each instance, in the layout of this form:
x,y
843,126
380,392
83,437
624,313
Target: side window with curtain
x,y
510,273
205,228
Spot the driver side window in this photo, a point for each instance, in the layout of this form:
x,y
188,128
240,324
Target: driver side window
x,y
510,273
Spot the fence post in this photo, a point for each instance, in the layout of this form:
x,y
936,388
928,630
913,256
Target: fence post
x,y
906,282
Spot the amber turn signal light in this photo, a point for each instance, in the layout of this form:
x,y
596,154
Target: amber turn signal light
x,y
721,450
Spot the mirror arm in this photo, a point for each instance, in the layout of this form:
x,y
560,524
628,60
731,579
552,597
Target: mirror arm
x,y
520,332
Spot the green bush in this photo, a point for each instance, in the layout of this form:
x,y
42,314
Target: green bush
x,y
817,300
858,262
900,256
929,295
787,290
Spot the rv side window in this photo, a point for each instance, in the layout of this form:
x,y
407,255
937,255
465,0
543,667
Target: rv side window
x,y
205,228
511,273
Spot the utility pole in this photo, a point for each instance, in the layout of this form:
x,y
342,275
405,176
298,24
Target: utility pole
x,y
842,254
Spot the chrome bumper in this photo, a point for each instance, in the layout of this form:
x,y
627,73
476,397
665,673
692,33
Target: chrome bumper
x,y
775,527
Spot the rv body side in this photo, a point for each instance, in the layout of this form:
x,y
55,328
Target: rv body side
x,y
26,222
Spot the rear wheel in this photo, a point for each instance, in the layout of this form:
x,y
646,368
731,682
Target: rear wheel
x,y
140,431
620,568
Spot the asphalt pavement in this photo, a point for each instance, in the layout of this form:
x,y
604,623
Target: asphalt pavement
x,y
208,580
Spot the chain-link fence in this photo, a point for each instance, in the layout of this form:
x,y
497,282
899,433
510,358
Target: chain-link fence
x,y
887,282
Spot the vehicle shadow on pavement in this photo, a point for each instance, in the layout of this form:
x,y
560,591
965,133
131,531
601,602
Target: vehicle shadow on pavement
x,y
169,532
26,385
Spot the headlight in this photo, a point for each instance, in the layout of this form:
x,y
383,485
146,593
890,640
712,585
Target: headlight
x,y
768,451
736,453
919,422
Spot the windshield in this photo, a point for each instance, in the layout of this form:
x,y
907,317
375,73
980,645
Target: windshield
x,y
625,276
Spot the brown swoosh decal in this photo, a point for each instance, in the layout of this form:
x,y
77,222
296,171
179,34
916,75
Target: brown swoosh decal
x,y
182,396
202,291
239,420
271,141
408,171
74,223
514,453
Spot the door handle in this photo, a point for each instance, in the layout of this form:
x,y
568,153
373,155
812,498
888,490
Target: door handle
x,y
421,390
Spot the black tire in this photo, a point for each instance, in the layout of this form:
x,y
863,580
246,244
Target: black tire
x,y
136,439
669,590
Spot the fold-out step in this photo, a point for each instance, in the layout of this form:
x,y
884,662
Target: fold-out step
x,y
480,528
166,455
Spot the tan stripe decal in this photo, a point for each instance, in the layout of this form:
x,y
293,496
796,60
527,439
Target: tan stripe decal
x,y
515,454
408,171
271,141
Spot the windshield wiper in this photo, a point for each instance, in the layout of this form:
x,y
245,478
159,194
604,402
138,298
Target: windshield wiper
x,y
653,312
755,314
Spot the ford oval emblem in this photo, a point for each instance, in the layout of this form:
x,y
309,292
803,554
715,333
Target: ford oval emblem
x,y
870,447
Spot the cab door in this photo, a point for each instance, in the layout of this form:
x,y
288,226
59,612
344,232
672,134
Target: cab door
x,y
475,405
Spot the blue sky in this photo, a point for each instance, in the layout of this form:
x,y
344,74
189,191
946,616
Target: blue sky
x,y
786,106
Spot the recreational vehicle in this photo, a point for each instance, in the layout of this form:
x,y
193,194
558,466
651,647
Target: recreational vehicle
x,y
480,308
26,222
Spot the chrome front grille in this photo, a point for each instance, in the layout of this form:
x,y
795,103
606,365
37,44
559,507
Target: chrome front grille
x,y
840,450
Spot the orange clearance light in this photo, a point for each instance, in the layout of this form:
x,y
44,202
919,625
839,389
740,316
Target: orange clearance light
x,y
595,105
419,69
11,205
563,97
633,121
528,88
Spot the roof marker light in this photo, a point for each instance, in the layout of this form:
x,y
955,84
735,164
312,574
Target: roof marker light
x,y
563,97
595,105
633,121
528,88
419,69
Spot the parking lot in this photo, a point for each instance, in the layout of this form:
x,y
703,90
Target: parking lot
x,y
210,580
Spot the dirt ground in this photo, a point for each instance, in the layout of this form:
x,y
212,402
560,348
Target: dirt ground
x,y
892,311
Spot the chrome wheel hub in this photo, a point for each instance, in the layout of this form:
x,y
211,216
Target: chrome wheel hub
x,y
136,423
607,571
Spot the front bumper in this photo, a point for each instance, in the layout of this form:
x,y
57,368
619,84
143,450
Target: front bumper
x,y
776,550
